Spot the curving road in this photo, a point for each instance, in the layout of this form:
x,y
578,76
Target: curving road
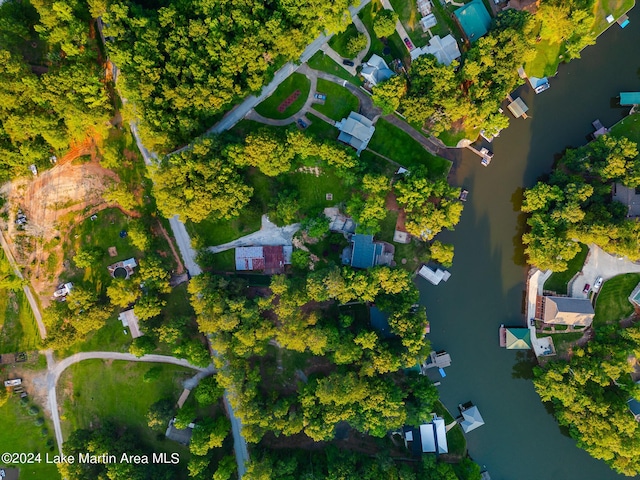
x,y
55,369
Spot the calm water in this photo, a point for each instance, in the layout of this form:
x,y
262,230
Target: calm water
x,y
520,440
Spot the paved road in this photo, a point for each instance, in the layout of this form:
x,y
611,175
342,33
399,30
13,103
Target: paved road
x,y
55,369
399,27
26,288
184,245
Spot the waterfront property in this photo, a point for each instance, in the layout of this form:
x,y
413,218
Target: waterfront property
x,y
355,130
565,311
630,197
474,19
517,339
428,438
539,85
365,253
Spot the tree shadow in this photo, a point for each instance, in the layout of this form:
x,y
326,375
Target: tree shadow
x,y
519,258
523,368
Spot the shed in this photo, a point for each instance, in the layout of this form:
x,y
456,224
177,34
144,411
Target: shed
x,y
428,21
518,339
129,319
518,108
629,98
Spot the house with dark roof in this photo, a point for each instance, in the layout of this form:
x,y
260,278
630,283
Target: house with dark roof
x,y
355,130
567,311
365,253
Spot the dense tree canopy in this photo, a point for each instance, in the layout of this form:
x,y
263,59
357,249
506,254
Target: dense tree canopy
x,y
187,62
575,204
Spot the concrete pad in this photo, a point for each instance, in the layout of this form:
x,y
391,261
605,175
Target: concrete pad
x,y
600,264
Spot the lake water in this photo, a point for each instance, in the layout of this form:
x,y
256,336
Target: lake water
x,y
521,440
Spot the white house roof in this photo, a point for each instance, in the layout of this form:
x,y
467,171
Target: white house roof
x,y
568,311
445,49
130,262
441,435
428,438
129,319
356,130
376,70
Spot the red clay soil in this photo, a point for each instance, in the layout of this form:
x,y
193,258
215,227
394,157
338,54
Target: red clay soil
x,y
286,103
391,204
164,233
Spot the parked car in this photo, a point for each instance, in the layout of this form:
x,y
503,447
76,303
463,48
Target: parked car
x,y
302,123
598,284
586,288
408,43
349,63
320,96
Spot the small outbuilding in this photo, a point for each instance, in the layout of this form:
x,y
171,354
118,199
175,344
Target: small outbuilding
x,y
518,108
130,320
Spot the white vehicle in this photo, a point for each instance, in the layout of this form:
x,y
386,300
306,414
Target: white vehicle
x,y
597,284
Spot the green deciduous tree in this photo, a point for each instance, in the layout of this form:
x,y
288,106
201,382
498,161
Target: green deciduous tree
x,y
159,414
208,391
384,23
123,292
442,252
142,346
88,257
356,44
387,95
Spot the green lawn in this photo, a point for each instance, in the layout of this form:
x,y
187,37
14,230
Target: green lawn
x,y
321,129
312,190
110,338
410,17
216,232
546,60
224,261
453,136
269,107
19,434
628,127
95,390
18,328
396,144
339,42
602,8
557,282
339,103
396,46
324,63
104,232
455,437
376,164
613,303
563,342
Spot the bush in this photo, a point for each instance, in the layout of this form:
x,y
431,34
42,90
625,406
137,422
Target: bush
x,y
39,422
33,410
152,374
356,44
384,25
44,432
208,391
300,259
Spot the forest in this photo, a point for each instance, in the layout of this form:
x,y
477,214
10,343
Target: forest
x,y
575,204
186,63
589,395
52,83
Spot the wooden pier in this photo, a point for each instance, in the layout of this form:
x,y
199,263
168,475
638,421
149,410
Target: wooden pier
x,y
485,154
503,336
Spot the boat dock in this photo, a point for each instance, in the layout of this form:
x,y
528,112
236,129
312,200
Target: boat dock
x,y
484,153
599,129
434,277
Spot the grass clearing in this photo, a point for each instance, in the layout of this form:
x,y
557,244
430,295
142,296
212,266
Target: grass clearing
x,y
20,434
546,61
558,281
410,17
628,127
95,390
563,342
324,63
453,136
613,303
340,101
603,8
455,437
269,107
312,190
339,42
18,328
212,232
398,145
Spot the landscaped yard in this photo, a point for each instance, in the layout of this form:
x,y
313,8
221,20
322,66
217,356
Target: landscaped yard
x,y
339,103
321,129
558,281
613,303
216,232
20,434
313,189
324,63
397,145
455,437
410,17
454,135
339,42
295,82
95,390
563,342
628,127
